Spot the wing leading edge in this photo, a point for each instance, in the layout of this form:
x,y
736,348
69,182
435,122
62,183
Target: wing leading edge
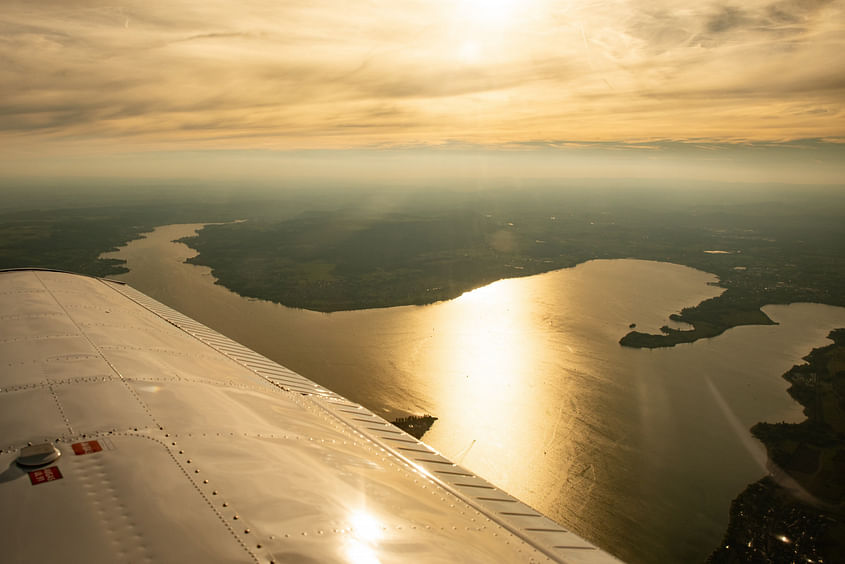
x,y
177,444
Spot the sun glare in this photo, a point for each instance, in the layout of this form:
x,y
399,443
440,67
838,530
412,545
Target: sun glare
x,y
491,13
483,27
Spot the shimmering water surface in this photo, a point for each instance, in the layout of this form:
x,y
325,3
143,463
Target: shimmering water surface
x,y
641,451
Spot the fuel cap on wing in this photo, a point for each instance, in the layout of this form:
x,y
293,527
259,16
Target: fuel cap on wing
x,y
34,456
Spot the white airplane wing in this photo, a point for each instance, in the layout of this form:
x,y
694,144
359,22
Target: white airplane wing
x,y
131,433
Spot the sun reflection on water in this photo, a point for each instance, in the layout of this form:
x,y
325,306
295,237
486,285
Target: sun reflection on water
x,y
484,360
488,328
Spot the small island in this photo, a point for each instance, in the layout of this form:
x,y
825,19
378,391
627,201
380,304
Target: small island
x,y
415,425
797,513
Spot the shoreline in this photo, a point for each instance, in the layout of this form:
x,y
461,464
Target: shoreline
x,y
797,512
709,318
324,262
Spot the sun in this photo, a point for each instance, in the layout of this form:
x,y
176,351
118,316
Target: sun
x,y
482,26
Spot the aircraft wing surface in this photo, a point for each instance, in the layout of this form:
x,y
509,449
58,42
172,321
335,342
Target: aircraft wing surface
x,y
131,433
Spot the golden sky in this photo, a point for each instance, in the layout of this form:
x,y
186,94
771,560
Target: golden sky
x,y
86,77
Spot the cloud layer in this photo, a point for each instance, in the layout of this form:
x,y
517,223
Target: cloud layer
x,y
75,75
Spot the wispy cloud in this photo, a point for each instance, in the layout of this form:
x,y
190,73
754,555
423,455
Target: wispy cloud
x,y
264,74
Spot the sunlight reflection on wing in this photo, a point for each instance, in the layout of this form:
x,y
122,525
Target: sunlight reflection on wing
x,y
366,532
365,527
358,552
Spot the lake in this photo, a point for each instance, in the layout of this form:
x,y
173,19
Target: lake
x,y
640,451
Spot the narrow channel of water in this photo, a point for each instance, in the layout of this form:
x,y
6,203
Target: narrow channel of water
x,y
641,451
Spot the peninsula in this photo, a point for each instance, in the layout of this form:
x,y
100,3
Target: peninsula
x,y
709,318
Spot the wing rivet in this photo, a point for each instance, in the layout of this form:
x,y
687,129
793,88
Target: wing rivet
x,y
214,492
225,504
197,471
236,517
246,531
205,481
